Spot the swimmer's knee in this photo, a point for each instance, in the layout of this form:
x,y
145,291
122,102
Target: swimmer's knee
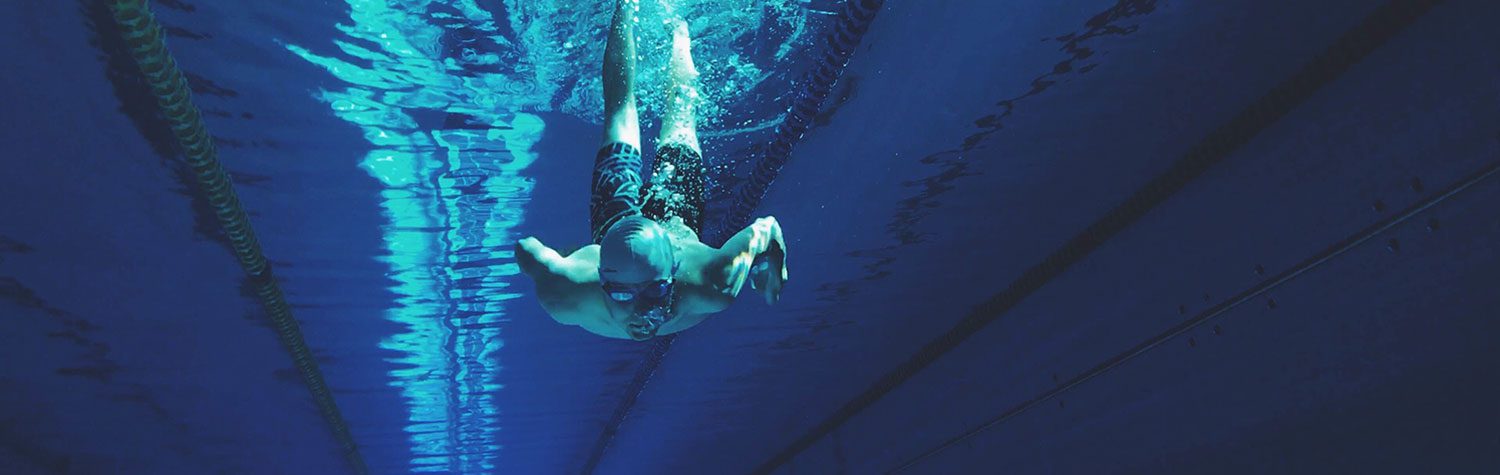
x,y
623,128
681,136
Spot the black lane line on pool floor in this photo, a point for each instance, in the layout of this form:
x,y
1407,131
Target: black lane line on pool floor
x,y
1337,249
1377,28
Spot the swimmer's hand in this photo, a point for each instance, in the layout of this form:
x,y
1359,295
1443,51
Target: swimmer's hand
x,y
766,275
768,272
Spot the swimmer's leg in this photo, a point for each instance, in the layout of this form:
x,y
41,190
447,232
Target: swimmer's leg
x,y
678,122
621,122
677,175
616,187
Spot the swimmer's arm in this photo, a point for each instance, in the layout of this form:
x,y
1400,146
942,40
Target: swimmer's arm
x,y
535,257
556,277
735,258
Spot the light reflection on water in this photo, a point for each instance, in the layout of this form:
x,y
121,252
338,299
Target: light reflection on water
x,y
441,91
453,196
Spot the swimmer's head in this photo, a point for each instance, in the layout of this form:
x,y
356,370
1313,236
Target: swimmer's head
x,y
636,266
635,250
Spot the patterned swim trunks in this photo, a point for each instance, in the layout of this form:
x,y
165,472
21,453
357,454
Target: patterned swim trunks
x,y
676,187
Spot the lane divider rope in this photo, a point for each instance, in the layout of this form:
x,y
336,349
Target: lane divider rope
x,y
839,45
144,37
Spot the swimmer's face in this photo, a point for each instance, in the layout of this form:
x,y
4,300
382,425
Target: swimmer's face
x,y
636,269
639,300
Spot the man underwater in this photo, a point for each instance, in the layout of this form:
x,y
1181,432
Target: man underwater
x,y
647,273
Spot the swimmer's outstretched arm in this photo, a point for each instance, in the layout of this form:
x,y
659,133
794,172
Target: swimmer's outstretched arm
x,y
559,279
756,254
536,259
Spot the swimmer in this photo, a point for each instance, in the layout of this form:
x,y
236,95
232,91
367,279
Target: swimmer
x,y
647,273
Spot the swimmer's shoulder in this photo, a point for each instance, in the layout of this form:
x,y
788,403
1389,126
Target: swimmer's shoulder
x,y
705,289
569,282
679,232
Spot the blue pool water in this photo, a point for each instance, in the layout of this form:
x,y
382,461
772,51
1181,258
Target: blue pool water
x,y
1075,236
